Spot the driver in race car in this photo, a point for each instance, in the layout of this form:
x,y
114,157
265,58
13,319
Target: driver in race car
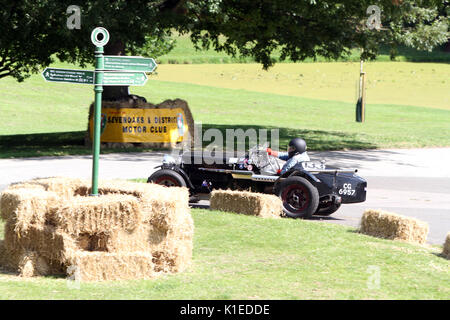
x,y
296,154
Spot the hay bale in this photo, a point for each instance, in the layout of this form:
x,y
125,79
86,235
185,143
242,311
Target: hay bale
x,y
49,242
392,226
27,207
26,185
64,187
140,229
104,266
2,253
95,215
32,264
446,251
249,203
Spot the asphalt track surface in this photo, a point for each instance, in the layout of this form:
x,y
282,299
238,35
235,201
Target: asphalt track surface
x,y
411,182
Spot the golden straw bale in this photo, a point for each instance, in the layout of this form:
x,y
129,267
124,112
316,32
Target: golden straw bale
x,y
175,257
249,203
392,226
31,264
134,188
170,209
124,241
172,247
3,256
48,241
64,187
27,207
28,263
101,266
95,215
9,259
446,251
25,185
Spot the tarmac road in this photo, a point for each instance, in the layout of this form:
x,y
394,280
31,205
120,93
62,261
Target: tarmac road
x,y
411,182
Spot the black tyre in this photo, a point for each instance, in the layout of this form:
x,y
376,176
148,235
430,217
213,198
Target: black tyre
x,y
168,178
328,210
300,198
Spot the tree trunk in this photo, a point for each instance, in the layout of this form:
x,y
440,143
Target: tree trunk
x,y
447,46
118,93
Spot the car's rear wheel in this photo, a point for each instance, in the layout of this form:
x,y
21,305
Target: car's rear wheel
x,y
168,178
300,198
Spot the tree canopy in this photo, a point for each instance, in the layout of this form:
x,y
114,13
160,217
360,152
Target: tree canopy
x,y
32,32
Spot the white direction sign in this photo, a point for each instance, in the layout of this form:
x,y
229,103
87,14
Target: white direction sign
x,y
125,63
124,78
68,75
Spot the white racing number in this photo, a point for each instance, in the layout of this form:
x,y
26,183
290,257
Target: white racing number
x,y
347,190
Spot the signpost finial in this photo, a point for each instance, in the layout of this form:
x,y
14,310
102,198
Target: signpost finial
x,y
100,36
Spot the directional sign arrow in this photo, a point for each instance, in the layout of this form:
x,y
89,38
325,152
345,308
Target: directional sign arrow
x,y
68,75
124,78
126,63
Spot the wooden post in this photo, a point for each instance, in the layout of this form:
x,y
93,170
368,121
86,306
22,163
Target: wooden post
x,y
363,97
361,104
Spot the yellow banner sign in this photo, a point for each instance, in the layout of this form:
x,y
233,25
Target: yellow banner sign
x,y
142,125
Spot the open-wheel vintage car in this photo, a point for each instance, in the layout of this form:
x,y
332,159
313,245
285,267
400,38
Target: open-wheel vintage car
x,y
308,188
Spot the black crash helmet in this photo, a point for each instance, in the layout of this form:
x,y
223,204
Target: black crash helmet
x,y
299,146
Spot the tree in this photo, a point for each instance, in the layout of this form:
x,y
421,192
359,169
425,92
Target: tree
x,y
35,31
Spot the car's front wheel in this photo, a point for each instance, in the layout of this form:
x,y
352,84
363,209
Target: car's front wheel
x,y
300,198
168,178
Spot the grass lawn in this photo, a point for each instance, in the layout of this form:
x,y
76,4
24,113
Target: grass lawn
x,y
401,83
408,105
242,257
42,118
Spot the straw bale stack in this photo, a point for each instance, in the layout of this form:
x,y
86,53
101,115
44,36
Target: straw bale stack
x,y
392,226
446,251
132,230
249,203
105,266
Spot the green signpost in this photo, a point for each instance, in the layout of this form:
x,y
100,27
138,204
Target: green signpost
x,y
99,38
109,71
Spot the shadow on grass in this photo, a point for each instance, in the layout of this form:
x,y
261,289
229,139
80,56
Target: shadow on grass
x,y
53,144
42,144
413,55
440,255
72,143
317,140
438,55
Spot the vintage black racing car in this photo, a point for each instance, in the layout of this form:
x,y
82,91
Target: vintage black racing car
x,y
308,188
